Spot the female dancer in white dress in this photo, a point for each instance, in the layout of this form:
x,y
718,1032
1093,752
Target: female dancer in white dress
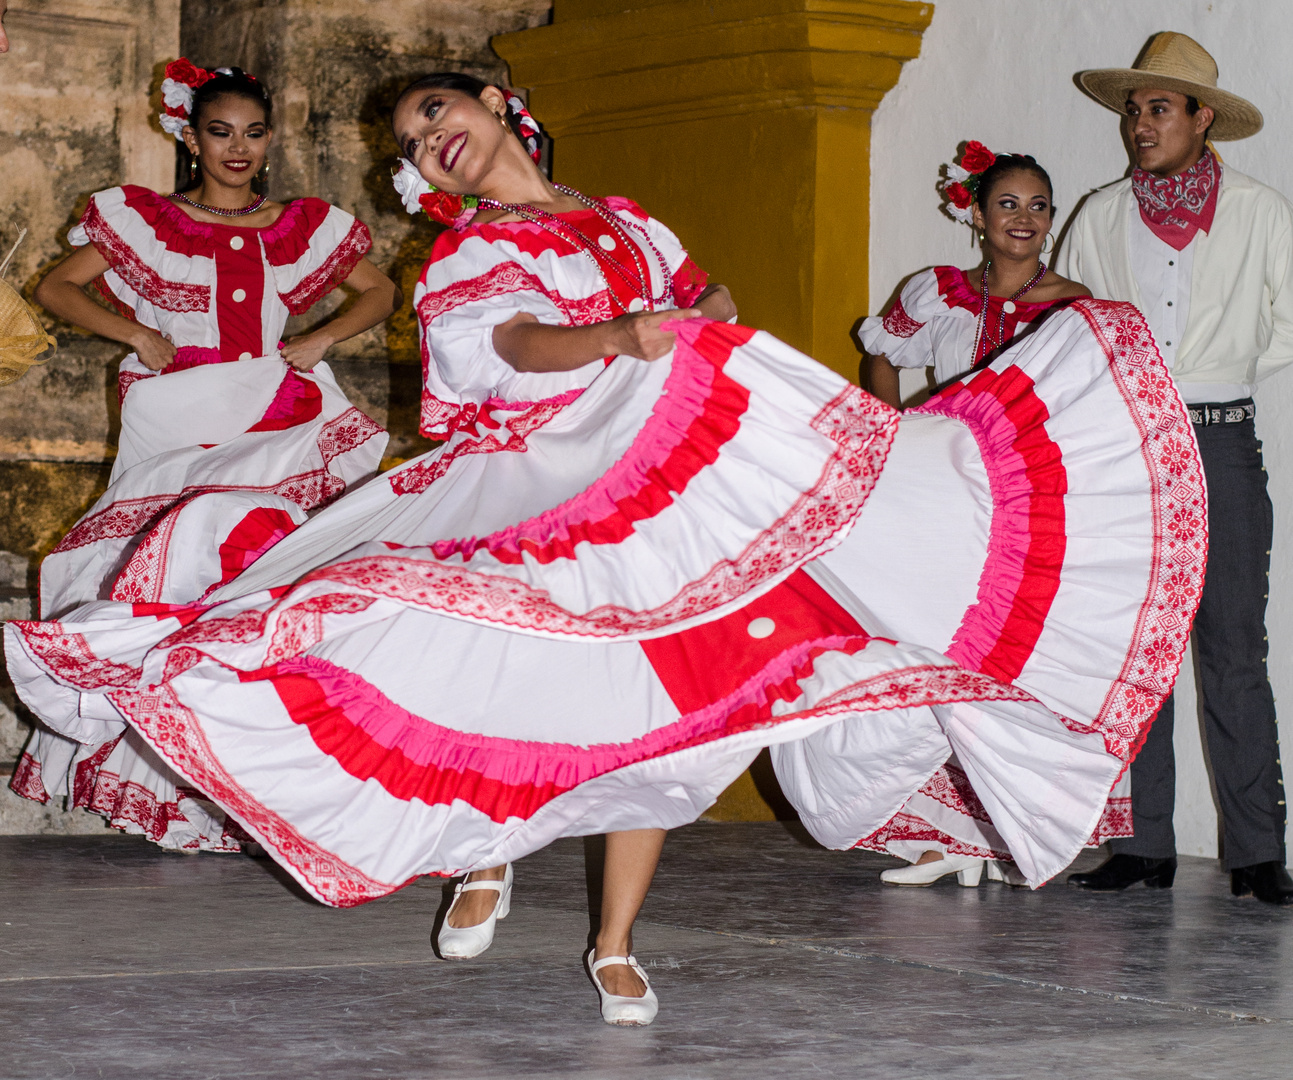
x,y
645,551
955,321
227,440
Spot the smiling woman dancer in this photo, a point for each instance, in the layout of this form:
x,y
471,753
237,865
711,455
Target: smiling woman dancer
x,y
225,444
955,320
645,550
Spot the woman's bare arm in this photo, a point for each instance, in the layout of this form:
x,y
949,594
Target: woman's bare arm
x,y
884,381
529,345
62,293
379,297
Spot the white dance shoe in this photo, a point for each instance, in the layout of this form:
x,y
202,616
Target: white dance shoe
x,y
464,942
623,1011
967,869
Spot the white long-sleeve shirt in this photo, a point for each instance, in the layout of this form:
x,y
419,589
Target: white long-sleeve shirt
x,y
1238,325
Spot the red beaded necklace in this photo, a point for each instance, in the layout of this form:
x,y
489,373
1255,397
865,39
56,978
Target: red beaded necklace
x,y
983,341
565,230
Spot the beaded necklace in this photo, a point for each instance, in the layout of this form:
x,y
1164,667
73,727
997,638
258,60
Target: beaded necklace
x,y
564,230
983,340
251,208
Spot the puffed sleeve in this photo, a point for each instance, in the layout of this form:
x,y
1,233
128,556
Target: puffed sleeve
x,y
312,249
902,334
468,287
155,253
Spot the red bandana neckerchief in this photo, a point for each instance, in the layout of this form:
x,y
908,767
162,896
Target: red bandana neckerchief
x,y
1177,207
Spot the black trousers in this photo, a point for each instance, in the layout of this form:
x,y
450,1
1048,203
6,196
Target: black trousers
x,y
1242,741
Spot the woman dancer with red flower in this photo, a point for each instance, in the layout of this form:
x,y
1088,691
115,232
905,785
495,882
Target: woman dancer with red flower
x,y
228,436
646,550
954,320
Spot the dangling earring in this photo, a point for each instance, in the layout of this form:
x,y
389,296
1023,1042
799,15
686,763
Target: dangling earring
x,y
1047,250
193,166
980,239
263,175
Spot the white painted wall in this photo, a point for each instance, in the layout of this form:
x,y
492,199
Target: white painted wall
x,y
1002,72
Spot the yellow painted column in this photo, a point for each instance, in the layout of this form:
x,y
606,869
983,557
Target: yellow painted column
x,y
742,124
745,125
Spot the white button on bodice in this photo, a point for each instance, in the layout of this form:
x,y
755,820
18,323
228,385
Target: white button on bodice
x,y
244,356
1008,307
607,242
636,304
236,243
239,295
761,628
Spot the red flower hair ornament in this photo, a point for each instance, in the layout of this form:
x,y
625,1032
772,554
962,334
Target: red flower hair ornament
x,y
961,183
182,78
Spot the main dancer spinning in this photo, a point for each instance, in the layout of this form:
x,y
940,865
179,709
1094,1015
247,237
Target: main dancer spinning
x,y
639,558
225,443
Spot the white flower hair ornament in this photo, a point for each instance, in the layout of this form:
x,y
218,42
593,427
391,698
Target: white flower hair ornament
x,y
411,185
182,78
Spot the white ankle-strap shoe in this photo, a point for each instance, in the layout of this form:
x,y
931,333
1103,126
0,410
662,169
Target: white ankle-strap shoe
x,y
464,942
623,1011
967,869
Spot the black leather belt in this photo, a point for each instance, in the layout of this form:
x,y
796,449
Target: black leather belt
x,y
1208,413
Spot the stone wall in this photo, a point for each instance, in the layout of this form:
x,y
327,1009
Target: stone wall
x,y
79,93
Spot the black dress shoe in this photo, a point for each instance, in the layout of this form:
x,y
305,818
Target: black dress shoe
x,y
1119,871
1268,881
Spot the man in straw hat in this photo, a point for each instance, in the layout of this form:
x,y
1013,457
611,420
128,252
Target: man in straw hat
x,y
1206,253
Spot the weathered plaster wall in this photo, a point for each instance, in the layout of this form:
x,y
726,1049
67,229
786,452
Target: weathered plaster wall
x,y
78,98
1002,72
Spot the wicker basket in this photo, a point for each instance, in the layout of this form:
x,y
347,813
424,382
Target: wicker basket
x,y
22,338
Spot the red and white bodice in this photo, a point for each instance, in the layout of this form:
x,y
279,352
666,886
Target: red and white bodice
x,y
935,322
220,292
483,275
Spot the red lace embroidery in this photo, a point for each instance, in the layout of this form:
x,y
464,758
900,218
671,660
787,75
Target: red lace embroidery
x,y
898,323
335,269
518,428
144,574
175,732
913,828
131,268
859,425
1180,519
1114,822
27,781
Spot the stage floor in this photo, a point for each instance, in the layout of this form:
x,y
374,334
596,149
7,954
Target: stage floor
x,y
772,958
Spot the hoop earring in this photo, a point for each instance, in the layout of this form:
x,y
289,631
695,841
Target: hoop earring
x,y
263,176
1047,250
981,238
193,166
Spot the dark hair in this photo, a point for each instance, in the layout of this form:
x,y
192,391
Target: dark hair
x,y
1193,105
1005,164
464,84
236,84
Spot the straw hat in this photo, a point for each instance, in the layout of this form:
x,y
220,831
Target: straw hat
x,y
1173,61
22,338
